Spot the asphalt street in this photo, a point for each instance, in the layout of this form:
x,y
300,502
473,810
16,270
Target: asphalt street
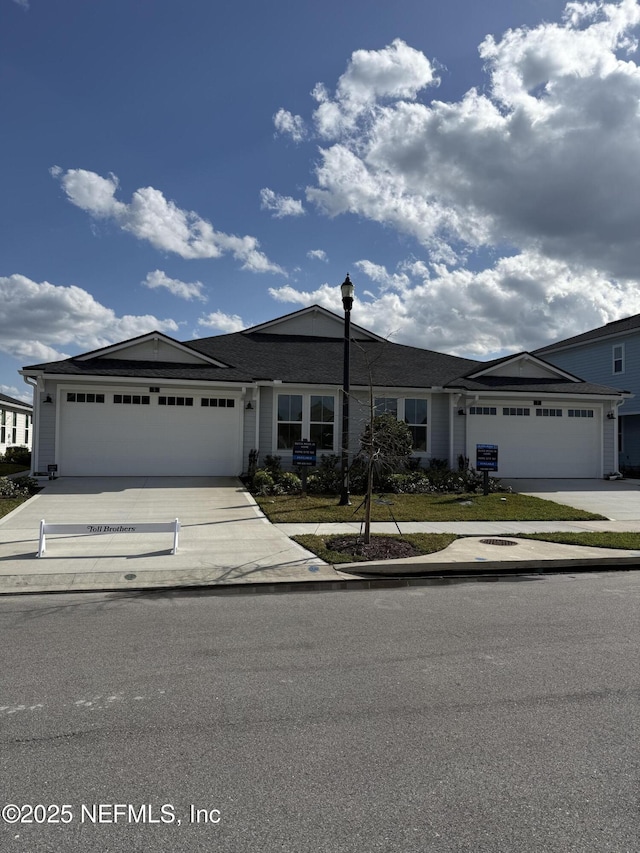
x,y
462,716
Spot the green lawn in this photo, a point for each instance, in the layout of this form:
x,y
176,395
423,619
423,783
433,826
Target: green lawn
x,y
494,507
430,543
425,543
626,541
7,468
9,504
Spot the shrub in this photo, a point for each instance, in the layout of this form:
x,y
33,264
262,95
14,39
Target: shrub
x,y
325,478
288,484
18,455
443,482
273,464
262,482
21,487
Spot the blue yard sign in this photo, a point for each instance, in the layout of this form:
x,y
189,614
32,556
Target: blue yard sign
x,y
486,457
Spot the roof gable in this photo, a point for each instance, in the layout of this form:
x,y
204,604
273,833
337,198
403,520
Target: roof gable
x,y
522,365
153,346
314,321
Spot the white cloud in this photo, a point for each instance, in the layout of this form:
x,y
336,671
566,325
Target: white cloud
x,y
548,160
317,255
522,302
39,319
149,216
397,71
292,125
223,322
23,3
541,163
183,289
280,205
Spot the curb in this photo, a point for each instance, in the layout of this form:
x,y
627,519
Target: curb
x,y
437,575
527,566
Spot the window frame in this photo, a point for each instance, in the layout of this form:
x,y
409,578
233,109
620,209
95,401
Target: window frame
x,y
400,399
617,359
305,423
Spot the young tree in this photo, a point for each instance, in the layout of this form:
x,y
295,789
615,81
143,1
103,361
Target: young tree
x,y
385,446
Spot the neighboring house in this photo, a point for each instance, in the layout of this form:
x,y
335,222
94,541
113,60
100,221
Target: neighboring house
x,y
611,355
155,406
15,423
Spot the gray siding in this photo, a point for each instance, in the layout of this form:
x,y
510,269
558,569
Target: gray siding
x,y
609,446
248,433
594,362
459,435
46,431
438,419
266,423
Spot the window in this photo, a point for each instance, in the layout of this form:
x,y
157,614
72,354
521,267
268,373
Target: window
x,y
154,389
78,397
580,413
618,358
321,420
483,410
386,406
549,413
3,435
27,424
415,417
217,402
517,411
289,420
132,399
174,401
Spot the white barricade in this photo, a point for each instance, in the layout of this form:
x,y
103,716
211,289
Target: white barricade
x,y
120,527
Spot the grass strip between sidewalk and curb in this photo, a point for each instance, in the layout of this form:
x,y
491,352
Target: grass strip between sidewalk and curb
x,y
431,543
424,543
283,509
591,539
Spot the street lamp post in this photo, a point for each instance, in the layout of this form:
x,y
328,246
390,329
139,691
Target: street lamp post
x,y
347,303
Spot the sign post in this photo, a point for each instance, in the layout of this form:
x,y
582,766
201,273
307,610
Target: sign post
x,y
486,460
304,455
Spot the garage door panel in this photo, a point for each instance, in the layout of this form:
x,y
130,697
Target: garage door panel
x,y
539,446
132,439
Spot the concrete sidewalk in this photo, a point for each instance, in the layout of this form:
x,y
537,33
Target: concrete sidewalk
x,y
226,542
224,538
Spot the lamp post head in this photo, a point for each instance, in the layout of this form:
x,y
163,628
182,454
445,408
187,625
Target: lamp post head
x,y
347,290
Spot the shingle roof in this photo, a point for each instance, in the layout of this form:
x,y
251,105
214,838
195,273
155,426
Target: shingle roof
x,y
613,329
302,359
12,401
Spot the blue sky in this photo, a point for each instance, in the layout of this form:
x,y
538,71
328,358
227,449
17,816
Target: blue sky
x,y
202,167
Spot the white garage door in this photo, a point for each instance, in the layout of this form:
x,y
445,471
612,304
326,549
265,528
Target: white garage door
x,y
123,432
539,441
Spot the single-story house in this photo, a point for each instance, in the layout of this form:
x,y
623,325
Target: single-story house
x,y
15,423
153,405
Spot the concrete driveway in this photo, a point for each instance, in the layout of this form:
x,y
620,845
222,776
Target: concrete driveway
x,y
223,538
615,499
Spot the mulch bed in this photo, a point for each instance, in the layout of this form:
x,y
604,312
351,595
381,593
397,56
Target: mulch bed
x,y
380,547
